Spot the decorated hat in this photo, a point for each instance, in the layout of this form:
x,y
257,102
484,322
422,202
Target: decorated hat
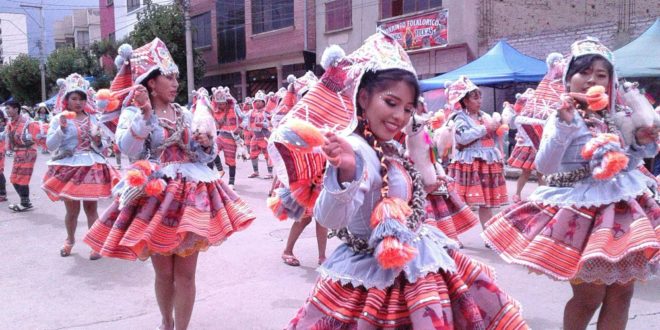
x,y
74,83
458,89
221,94
259,96
134,65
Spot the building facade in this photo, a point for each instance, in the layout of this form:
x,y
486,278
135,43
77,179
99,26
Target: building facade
x,y
107,11
538,27
255,44
125,14
78,30
13,36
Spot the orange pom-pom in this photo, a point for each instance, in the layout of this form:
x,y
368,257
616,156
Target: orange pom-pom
x,y
502,130
69,114
597,142
144,166
135,178
390,208
154,187
307,132
597,98
391,253
613,162
103,94
437,120
305,192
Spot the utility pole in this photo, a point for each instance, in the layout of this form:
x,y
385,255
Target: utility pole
x,y
42,45
190,67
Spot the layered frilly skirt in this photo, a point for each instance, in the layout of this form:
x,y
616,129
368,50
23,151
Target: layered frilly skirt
x,y
479,182
449,213
522,157
83,177
190,215
594,233
439,289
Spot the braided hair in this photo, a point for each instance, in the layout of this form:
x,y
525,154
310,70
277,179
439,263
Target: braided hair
x,y
378,81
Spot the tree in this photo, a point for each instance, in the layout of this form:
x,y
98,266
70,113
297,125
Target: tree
x,y
166,23
22,78
67,60
4,89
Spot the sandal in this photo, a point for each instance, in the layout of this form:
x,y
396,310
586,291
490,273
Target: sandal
x,y
322,260
515,198
65,251
93,255
3,198
290,260
253,175
20,207
268,176
222,173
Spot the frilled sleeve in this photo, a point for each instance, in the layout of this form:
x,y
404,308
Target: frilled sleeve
x,y
557,137
467,133
132,130
337,203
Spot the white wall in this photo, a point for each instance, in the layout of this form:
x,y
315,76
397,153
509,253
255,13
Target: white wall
x,y
14,35
124,21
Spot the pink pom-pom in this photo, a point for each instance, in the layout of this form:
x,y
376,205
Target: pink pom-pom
x,y
391,253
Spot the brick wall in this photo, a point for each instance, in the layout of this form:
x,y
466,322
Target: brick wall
x,y
107,14
538,27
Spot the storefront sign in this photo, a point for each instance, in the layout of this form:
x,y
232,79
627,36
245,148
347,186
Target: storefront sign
x,y
419,31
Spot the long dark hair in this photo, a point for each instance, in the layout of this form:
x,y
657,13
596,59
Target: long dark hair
x,y
583,63
378,81
145,82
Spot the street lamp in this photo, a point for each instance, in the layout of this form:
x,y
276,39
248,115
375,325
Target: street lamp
x,y
42,65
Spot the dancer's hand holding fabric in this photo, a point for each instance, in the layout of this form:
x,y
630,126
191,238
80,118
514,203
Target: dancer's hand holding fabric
x,y
646,135
567,110
340,155
202,139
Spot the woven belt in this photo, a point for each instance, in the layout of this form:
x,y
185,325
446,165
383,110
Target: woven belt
x,y
567,179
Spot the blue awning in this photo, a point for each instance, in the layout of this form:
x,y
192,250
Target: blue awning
x,y
500,65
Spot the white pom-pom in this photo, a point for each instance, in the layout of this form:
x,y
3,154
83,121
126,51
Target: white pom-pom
x,y
331,55
552,58
125,51
119,61
291,79
447,83
518,95
61,82
213,89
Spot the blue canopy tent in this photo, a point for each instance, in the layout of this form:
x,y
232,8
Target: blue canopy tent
x,y
502,64
641,57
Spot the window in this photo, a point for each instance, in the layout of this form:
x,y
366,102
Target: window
x,y
393,8
132,5
230,19
337,14
111,37
82,39
271,15
109,3
201,30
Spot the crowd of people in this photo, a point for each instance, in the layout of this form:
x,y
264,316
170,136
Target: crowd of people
x,y
358,152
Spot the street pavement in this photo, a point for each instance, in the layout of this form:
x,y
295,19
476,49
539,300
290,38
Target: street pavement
x,y
241,284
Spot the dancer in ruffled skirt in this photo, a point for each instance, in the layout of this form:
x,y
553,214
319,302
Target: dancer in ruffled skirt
x,y
170,205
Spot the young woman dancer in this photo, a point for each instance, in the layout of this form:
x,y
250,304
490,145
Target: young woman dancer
x,y
193,209
392,271
597,230
77,172
477,167
21,142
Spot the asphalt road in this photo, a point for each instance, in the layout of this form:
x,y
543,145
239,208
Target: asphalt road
x,y
241,284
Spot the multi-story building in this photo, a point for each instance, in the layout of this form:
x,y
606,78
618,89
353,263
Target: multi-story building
x,y
13,36
125,14
254,44
79,30
107,11
438,35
